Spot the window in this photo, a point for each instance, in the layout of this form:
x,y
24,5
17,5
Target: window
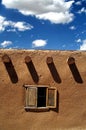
x,y
40,97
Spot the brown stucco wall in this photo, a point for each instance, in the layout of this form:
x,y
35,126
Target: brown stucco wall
x,y
71,109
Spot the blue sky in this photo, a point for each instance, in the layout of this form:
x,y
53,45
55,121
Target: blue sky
x,y
43,24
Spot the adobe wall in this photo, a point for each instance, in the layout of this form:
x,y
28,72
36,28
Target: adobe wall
x,y
71,86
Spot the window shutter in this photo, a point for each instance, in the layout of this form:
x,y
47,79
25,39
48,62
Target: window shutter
x,y
51,97
31,97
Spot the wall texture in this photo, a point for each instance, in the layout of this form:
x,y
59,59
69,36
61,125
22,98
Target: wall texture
x,y
53,68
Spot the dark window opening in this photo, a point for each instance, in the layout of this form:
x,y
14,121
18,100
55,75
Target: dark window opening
x,y
41,100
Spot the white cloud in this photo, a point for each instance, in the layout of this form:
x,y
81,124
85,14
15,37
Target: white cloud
x,y
20,26
6,43
72,28
78,40
2,26
83,46
56,11
11,30
83,10
78,3
39,43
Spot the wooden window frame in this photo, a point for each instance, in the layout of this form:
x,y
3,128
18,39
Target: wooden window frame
x,y
47,96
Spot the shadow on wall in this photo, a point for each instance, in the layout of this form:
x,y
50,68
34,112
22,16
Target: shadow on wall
x,y
53,70
74,70
10,68
32,69
57,104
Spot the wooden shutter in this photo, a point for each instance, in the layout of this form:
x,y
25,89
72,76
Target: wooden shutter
x,y
51,97
31,97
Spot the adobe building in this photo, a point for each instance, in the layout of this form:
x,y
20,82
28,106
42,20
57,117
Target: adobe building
x,y
42,90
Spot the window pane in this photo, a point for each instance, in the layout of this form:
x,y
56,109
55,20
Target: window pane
x,y
51,98
32,97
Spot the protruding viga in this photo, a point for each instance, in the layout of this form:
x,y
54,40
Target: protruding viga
x,y
27,59
49,60
70,60
6,59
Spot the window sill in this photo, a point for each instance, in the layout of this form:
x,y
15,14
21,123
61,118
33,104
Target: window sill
x,y
36,108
